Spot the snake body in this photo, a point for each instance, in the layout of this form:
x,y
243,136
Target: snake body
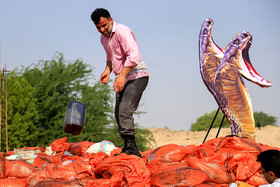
x,y
222,72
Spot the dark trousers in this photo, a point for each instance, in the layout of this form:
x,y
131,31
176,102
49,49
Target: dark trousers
x,y
127,102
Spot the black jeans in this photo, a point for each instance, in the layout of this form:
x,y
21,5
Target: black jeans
x,y
127,102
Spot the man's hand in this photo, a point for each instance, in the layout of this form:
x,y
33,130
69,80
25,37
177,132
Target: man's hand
x,y
104,78
119,83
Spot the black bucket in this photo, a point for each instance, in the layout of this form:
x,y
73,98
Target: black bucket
x,y
74,120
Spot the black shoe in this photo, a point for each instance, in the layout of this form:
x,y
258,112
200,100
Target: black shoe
x,y
130,147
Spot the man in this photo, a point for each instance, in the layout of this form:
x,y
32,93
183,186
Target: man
x,y
270,167
259,124
125,60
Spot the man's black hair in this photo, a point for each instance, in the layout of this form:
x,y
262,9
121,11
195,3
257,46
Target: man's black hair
x,y
270,161
98,13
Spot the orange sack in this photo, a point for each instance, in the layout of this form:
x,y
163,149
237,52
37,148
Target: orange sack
x,y
60,145
217,173
53,172
86,181
2,166
134,170
173,175
13,182
42,159
218,162
18,168
79,148
172,152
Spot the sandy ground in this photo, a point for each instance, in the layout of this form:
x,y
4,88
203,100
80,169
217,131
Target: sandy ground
x,y
269,135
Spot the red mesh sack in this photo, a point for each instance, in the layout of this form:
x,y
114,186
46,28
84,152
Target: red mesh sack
x,y
216,172
117,150
2,166
60,145
211,184
267,147
9,153
256,179
172,152
215,143
178,175
43,159
161,162
53,172
135,172
95,158
113,180
13,182
146,153
86,181
242,163
224,156
83,168
244,144
18,168
246,165
204,151
66,172
210,147
79,148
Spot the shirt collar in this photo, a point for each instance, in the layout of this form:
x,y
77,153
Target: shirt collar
x,y
113,29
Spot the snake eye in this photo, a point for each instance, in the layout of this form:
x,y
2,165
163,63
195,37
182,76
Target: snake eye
x,y
208,23
245,35
236,42
205,31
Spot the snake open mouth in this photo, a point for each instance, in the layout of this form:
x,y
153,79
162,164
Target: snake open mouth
x,y
218,47
254,76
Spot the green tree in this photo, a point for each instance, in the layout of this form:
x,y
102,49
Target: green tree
x,y
57,82
204,121
22,113
265,119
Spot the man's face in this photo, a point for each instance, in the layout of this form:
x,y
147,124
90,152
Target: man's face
x,y
267,175
105,26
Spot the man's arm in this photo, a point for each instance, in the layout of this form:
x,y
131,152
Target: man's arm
x,y
106,74
120,80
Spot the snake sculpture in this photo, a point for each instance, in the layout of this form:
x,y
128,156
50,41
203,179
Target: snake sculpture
x,y
222,72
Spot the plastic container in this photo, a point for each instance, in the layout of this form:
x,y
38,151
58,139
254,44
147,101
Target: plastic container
x,y
74,120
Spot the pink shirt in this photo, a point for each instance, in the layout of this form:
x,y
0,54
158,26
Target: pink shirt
x,y
123,51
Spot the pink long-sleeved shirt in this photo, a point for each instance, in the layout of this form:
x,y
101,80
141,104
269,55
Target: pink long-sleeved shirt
x,y
123,51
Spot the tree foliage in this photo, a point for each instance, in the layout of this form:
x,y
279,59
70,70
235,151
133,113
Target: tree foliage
x,y
204,121
265,119
39,96
22,113
56,82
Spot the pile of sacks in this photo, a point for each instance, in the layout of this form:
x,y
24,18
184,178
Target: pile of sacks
x,y
217,162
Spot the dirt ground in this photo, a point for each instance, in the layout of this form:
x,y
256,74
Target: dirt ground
x,y
269,135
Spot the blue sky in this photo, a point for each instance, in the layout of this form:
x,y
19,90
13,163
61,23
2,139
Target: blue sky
x,y
167,32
